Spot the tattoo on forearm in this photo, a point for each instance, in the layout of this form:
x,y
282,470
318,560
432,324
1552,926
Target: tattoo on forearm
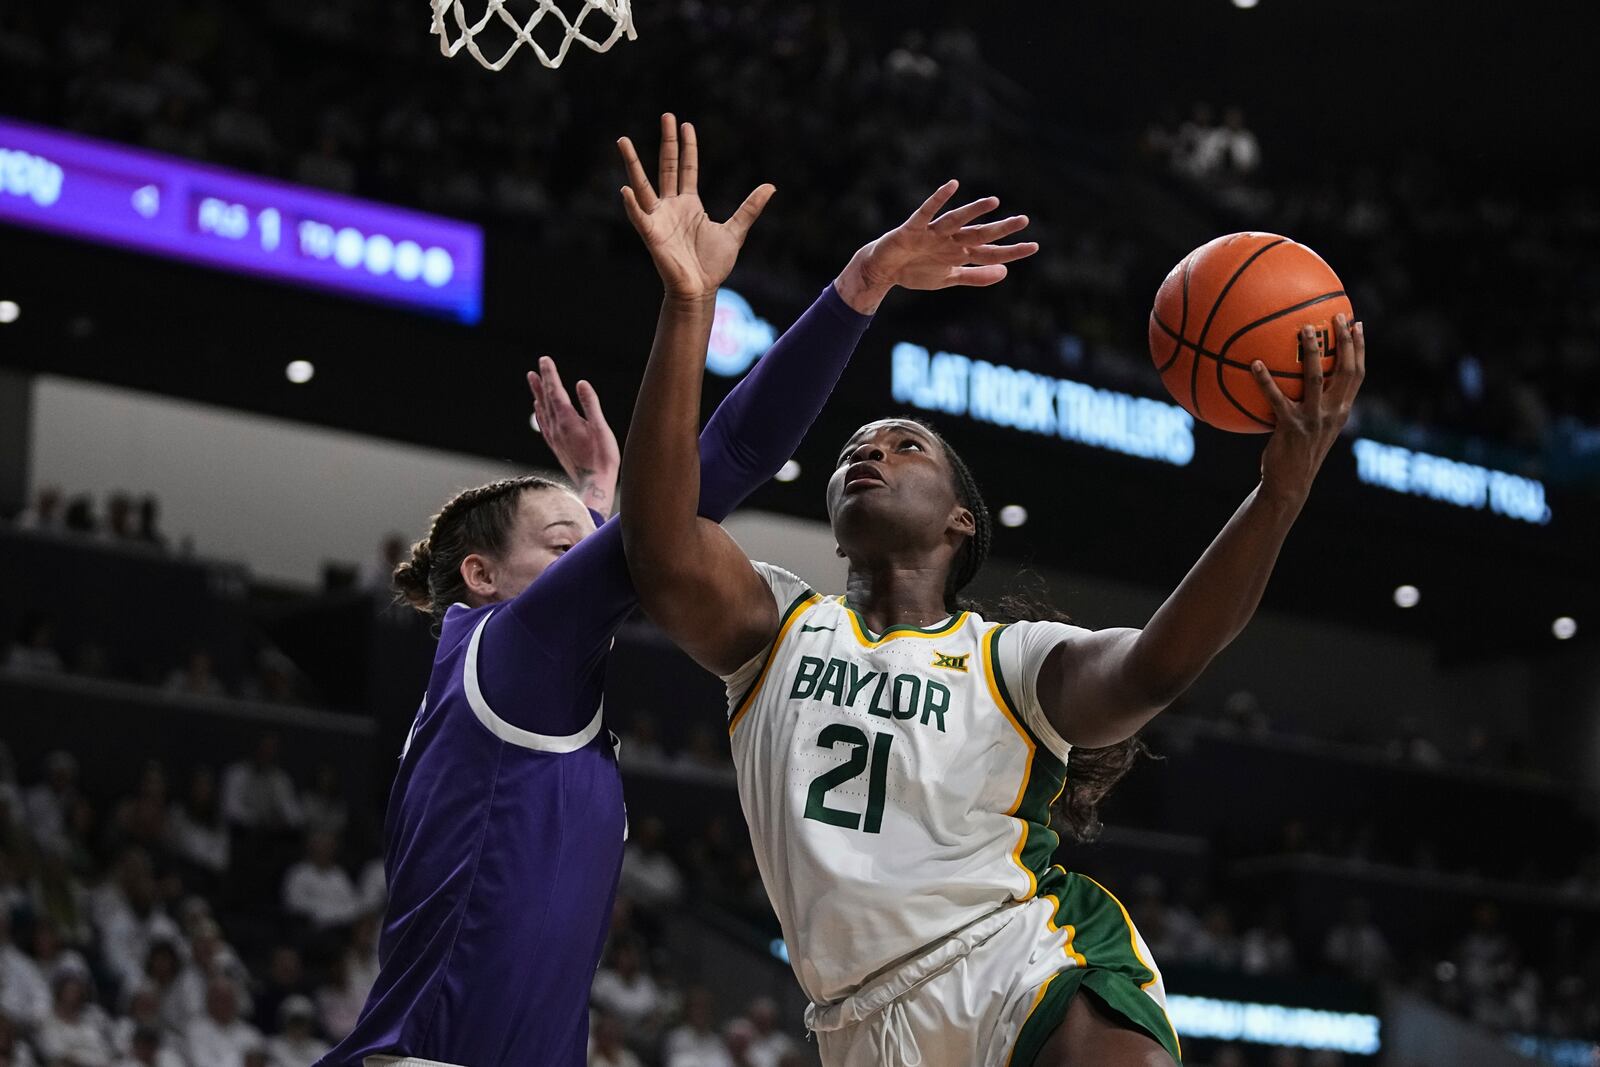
x,y
593,495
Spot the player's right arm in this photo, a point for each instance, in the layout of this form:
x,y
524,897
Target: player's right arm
x,y
692,578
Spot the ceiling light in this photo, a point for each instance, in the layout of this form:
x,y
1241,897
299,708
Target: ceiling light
x,y
9,310
1564,627
1013,515
300,371
1407,596
788,472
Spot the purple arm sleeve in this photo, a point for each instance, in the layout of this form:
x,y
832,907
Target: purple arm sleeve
x,y
539,651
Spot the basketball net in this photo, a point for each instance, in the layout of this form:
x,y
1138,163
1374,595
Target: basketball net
x,y
612,19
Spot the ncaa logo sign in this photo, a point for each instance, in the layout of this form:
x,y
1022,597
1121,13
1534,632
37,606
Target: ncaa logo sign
x,y
738,337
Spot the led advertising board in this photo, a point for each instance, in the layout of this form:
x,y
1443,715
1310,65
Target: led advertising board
x,y
164,206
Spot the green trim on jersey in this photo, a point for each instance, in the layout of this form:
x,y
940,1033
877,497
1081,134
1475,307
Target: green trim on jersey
x,y
742,705
1047,777
948,625
1112,970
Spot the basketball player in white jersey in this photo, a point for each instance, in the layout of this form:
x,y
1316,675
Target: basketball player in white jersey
x,y
899,758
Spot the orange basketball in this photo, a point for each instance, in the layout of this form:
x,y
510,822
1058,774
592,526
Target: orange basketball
x,y
1230,302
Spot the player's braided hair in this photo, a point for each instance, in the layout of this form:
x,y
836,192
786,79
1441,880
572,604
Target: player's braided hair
x,y
972,554
475,520
1091,772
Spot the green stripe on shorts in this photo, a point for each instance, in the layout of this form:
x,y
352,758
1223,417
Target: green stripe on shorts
x,y
1112,970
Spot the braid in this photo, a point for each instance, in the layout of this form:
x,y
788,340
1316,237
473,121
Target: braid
x,y
474,520
972,555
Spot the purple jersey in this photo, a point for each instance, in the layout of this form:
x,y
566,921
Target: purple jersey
x,y
506,824
504,847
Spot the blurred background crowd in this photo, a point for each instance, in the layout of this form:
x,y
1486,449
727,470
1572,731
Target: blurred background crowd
x,y
349,96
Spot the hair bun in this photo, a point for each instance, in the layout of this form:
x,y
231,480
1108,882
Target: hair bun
x,y
411,578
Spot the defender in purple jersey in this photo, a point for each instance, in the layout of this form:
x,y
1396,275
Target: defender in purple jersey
x,y
506,823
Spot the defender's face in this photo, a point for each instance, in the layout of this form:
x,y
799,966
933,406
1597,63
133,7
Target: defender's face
x,y
549,523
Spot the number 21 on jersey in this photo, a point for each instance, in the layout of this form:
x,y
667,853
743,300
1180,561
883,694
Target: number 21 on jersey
x,y
817,807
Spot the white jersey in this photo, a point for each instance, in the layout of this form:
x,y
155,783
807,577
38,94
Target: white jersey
x,y
897,785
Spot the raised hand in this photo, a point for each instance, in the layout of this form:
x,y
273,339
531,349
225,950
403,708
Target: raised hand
x,y
934,251
582,440
692,254
1306,430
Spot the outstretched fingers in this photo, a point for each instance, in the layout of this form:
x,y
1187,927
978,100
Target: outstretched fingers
x,y
991,254
553,394
668,180
644,196
689,163
980,276
953,220
740,221
988,233
924,215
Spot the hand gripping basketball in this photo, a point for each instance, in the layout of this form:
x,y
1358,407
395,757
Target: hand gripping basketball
x,y
692,254
1307,428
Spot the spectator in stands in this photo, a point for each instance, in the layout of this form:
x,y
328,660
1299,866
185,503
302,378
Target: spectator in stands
x,y
373,886
324,804
769,1045
273,680
626,990
738,1037
24,991
148,1047
119,518
197,677
377,577
196,830
703,753
295,1045
258,794
79,517
340,999
695,1042
35,647
1356,946
141,818
75,1031
128,917
641,745
162,967
13,1052
211,959
285,979
1266,949
148,530
1215,944
606,1048
51,954
218,1036
319,890
139,1035
45,513
648,874
1169,930
361,957
1484,954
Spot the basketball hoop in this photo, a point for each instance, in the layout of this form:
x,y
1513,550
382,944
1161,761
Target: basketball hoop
x,y
612,17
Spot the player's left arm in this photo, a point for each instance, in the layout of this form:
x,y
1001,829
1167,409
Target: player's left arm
x,y
1099,687
579,436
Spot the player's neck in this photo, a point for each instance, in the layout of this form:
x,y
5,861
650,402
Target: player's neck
x,y
891,593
